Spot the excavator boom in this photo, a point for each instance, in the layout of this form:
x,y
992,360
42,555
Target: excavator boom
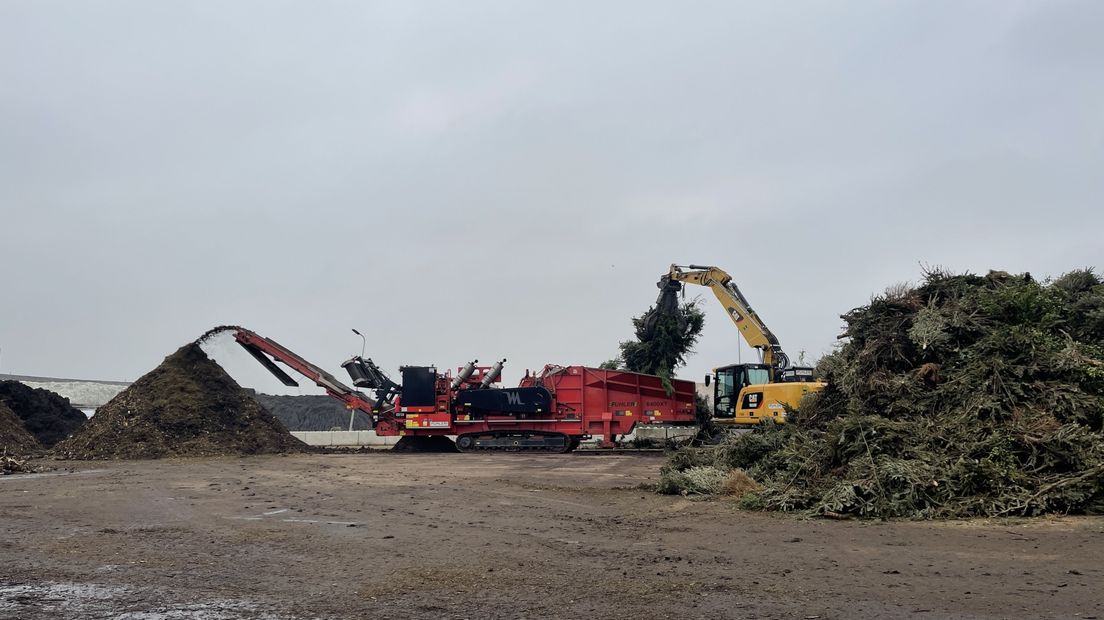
x,y
742,393
751,327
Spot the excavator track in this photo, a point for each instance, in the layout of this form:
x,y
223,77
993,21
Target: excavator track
x,y
516,441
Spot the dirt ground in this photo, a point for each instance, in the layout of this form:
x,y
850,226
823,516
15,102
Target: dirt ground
x,y
501,536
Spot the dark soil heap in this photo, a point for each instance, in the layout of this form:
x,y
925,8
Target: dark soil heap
x,y
966,396
14,437
313,413
46,415
187,406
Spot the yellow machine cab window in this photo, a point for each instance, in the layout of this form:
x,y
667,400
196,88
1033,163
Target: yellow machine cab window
x,y
730,380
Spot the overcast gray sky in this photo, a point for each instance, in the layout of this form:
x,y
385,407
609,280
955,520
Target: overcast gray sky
x,y
509,179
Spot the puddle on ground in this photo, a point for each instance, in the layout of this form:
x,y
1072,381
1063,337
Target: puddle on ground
x,y
50,599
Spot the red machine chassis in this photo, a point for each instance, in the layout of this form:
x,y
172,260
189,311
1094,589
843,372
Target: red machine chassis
x,y
584,402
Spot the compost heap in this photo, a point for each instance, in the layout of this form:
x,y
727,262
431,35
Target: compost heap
x,y
46,415
187,406
966,396
15,439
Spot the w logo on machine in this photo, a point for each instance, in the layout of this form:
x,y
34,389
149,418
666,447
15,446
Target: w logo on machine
x,y
513,398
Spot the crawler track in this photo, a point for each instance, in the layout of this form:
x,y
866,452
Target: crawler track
x,y
516,441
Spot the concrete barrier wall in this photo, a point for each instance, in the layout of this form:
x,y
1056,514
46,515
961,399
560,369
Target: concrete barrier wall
x,y
369,438
660,432
335,439
343,438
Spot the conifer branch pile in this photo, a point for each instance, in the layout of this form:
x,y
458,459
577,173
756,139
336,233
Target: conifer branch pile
x,y
966,396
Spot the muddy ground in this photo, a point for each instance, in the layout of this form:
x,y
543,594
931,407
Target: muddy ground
x,y
506,536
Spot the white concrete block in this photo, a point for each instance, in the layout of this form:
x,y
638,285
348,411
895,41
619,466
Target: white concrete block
x,y
346,439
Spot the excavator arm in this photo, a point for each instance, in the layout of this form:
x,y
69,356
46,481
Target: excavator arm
x,y
751,327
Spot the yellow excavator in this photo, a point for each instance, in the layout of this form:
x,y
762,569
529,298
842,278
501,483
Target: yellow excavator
x,y
743,393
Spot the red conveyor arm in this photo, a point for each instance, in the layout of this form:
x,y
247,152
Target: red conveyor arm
x,y
261,348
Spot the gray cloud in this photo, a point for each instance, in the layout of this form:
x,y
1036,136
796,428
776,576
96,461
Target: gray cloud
x,y
502,179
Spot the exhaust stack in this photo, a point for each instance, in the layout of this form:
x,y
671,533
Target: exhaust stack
x,y
493,374
463,375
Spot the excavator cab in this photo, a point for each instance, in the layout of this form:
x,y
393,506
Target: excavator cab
x,y
744,394
728,384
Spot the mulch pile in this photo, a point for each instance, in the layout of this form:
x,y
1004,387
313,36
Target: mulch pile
x,y
15,439
187,406
46,415
12,465
966,396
